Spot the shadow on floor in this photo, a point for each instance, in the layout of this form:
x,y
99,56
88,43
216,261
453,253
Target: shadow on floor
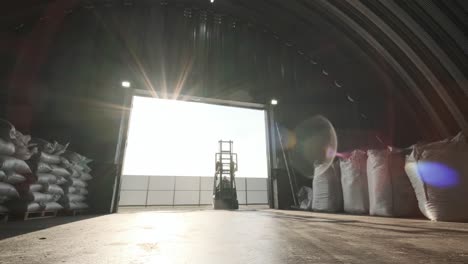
x,y
391,227
20,227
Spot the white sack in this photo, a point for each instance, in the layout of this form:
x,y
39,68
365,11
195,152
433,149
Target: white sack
x,y
390,191
354,183
327,193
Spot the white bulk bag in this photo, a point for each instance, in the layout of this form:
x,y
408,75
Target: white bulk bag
x,y
439,175
354,183
390,191
327,192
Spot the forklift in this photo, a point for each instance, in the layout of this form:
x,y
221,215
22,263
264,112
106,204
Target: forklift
x,y
224,186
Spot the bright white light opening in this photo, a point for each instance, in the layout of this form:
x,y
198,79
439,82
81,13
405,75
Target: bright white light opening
x,y
274,101
126,84
176,138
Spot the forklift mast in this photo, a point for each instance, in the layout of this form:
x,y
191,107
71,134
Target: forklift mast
x,y
224,185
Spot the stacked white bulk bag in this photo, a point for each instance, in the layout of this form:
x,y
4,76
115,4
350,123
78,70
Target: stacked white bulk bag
x,y
327,192
14,150
76,191
354,183
439,176
390,191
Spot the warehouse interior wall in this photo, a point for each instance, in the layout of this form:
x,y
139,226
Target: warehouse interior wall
x,y
63,62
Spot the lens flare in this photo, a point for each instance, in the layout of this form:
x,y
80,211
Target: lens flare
x,y
315,144
438,174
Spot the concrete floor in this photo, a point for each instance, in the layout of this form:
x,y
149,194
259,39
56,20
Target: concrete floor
x,y
246,236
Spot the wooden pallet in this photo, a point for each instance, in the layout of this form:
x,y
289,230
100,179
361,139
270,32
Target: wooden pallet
x,y
4,217
40,215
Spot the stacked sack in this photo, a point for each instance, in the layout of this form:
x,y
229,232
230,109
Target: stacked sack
x,y
439,175
41,192
14,150
76,189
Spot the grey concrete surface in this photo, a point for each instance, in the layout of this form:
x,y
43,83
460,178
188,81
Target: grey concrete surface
x,y
195,235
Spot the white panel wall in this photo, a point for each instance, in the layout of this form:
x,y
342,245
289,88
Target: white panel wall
x,y
132,197
135,183
160,198
206,184
162,190
187,183
256,184
159,183
241,197
240,184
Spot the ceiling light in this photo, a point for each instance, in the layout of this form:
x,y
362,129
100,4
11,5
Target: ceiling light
x,y
126,84
274,101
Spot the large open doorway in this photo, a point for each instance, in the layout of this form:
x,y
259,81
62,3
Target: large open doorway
x,y
169,157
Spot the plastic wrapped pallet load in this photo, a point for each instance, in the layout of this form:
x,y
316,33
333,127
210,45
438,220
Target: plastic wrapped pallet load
x,y
327,192
354,183
390,191
439,175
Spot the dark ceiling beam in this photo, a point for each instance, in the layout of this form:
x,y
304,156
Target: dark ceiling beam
x,y
415,59
338,14
425,38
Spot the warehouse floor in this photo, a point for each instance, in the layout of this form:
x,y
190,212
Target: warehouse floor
x,y
195,235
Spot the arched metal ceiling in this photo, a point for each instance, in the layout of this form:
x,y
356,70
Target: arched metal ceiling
x,y
423,43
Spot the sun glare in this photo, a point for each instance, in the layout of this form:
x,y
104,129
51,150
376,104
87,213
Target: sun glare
x,y
178,138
